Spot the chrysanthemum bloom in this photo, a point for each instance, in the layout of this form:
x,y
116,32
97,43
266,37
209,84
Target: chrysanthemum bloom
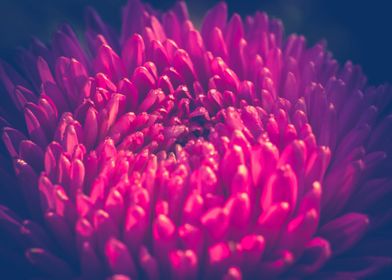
x,y
169,152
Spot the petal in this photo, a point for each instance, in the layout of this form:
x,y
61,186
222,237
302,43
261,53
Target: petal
x,y
343,232
119,259
282,186
215,17
50,264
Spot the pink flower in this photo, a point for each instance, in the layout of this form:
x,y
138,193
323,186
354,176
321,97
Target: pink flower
x,y
231,152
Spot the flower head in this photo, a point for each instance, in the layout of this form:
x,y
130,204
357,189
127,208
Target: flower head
x,y
169,152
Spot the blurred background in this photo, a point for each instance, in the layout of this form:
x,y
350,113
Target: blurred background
x,y
360,31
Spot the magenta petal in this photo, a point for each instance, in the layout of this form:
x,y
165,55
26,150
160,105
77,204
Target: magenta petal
x,y
359,267
44,71
51,264
216,43
192,238
316,254
26,175
96,24
35,129
299,231
135,227
66,44
53,92
23,96
90,128
61,231
12,139
233,273
148,264
184,264
90,263
219,256
119,277
118,258
216,17
133,19
215,223
143,80
345,231
281,187
252,249
270,222
279,264
238,209
32,154
77,175
109,62
164,237
184,66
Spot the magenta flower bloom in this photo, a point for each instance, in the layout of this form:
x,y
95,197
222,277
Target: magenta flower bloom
x,y
172,152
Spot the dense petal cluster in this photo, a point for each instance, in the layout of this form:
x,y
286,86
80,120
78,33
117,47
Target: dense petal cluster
x,y
169,152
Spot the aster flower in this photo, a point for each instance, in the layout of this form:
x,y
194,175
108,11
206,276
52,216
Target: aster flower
x,y
172,152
